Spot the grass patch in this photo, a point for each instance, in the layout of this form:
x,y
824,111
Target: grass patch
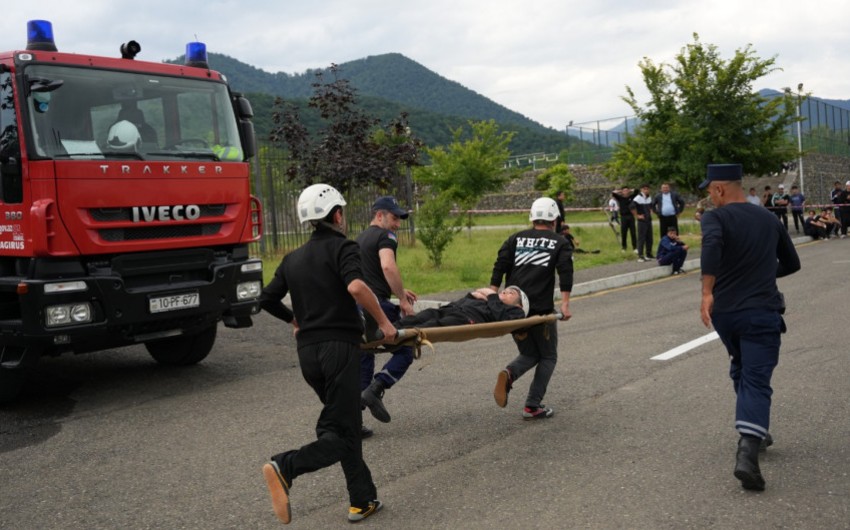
x,y
469,259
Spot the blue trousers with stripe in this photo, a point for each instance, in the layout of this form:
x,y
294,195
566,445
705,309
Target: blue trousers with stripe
x,y
752,338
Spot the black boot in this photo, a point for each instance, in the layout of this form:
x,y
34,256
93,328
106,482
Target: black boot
x,y
371,397
765,443
747,464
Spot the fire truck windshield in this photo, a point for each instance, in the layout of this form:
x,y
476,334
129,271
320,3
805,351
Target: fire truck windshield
x,y
85,113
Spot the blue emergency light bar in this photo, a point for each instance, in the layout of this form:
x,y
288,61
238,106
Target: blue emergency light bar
x,y
40,36
196,55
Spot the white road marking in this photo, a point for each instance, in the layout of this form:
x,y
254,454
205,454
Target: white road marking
x,y
688,346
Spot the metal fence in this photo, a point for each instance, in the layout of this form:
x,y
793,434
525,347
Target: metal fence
x,y
278,194
825,129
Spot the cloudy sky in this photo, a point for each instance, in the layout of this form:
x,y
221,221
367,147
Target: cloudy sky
x,y
553,61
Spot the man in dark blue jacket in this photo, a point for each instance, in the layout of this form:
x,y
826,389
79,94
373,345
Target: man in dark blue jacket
x,y
745,248
672,250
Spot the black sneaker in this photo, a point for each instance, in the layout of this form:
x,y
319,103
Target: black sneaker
x,y
279,490
357,514
537,413
503,387
365,432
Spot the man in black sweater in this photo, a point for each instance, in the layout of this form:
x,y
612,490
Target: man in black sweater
x,y
325,282
529,259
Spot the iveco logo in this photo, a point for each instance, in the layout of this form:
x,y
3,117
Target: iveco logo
x,y
166,213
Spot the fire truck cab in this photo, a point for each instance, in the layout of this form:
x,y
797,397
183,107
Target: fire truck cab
x,y
125,206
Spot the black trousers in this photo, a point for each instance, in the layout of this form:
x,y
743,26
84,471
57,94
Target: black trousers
x,y
332,369
845,220
782,215
799,222
665,222
644,238
627,224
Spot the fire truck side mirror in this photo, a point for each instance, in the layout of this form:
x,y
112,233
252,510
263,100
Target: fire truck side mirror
x,y
248,137
244,113
243,107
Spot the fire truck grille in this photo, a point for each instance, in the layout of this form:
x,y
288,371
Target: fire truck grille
x,y
105,215
115,235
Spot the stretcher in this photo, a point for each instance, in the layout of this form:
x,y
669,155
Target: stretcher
x,y
419,337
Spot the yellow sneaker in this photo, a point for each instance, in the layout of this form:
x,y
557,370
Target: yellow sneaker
x,y
355,514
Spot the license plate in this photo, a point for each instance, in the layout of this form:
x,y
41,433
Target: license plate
x,y
173,302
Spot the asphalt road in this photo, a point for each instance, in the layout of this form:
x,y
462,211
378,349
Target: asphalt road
x,y
111,440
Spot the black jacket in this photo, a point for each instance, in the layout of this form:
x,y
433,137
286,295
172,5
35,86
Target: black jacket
x,y
317,275
678,203
467,310
529,260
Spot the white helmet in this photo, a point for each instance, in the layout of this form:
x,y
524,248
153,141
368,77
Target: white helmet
x,y
523,298
123,136
544,209
317,201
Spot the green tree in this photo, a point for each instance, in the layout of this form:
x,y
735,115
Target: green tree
x,y
436,227
703,110
556,178
461,174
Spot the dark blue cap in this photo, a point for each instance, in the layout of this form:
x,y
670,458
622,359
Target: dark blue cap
x,y
389,204
723,173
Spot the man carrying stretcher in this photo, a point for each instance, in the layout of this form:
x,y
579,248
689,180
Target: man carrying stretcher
x,y
529,259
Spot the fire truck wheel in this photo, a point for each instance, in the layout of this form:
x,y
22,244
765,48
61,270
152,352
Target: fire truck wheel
x,y
11,382
185,349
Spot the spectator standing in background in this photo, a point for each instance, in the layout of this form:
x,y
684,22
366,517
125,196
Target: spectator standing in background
x,y
779,202
641,207
753,197
667,205
624,198
797,201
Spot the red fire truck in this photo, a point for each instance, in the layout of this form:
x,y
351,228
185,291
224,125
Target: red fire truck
x,y
125,206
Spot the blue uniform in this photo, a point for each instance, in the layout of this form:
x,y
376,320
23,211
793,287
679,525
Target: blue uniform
x,y
746,248
371,241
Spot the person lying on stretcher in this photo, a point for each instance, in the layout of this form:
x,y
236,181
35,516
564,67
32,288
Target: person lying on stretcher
x,y
482,305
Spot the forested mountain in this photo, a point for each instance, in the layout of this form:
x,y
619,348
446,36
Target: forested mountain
x,y
387,85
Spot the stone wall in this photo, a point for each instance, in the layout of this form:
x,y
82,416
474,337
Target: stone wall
x,y
593,187
592,190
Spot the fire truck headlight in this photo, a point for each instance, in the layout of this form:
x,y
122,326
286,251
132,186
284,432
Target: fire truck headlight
x,y
248,290
252,266
65,287
67,314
